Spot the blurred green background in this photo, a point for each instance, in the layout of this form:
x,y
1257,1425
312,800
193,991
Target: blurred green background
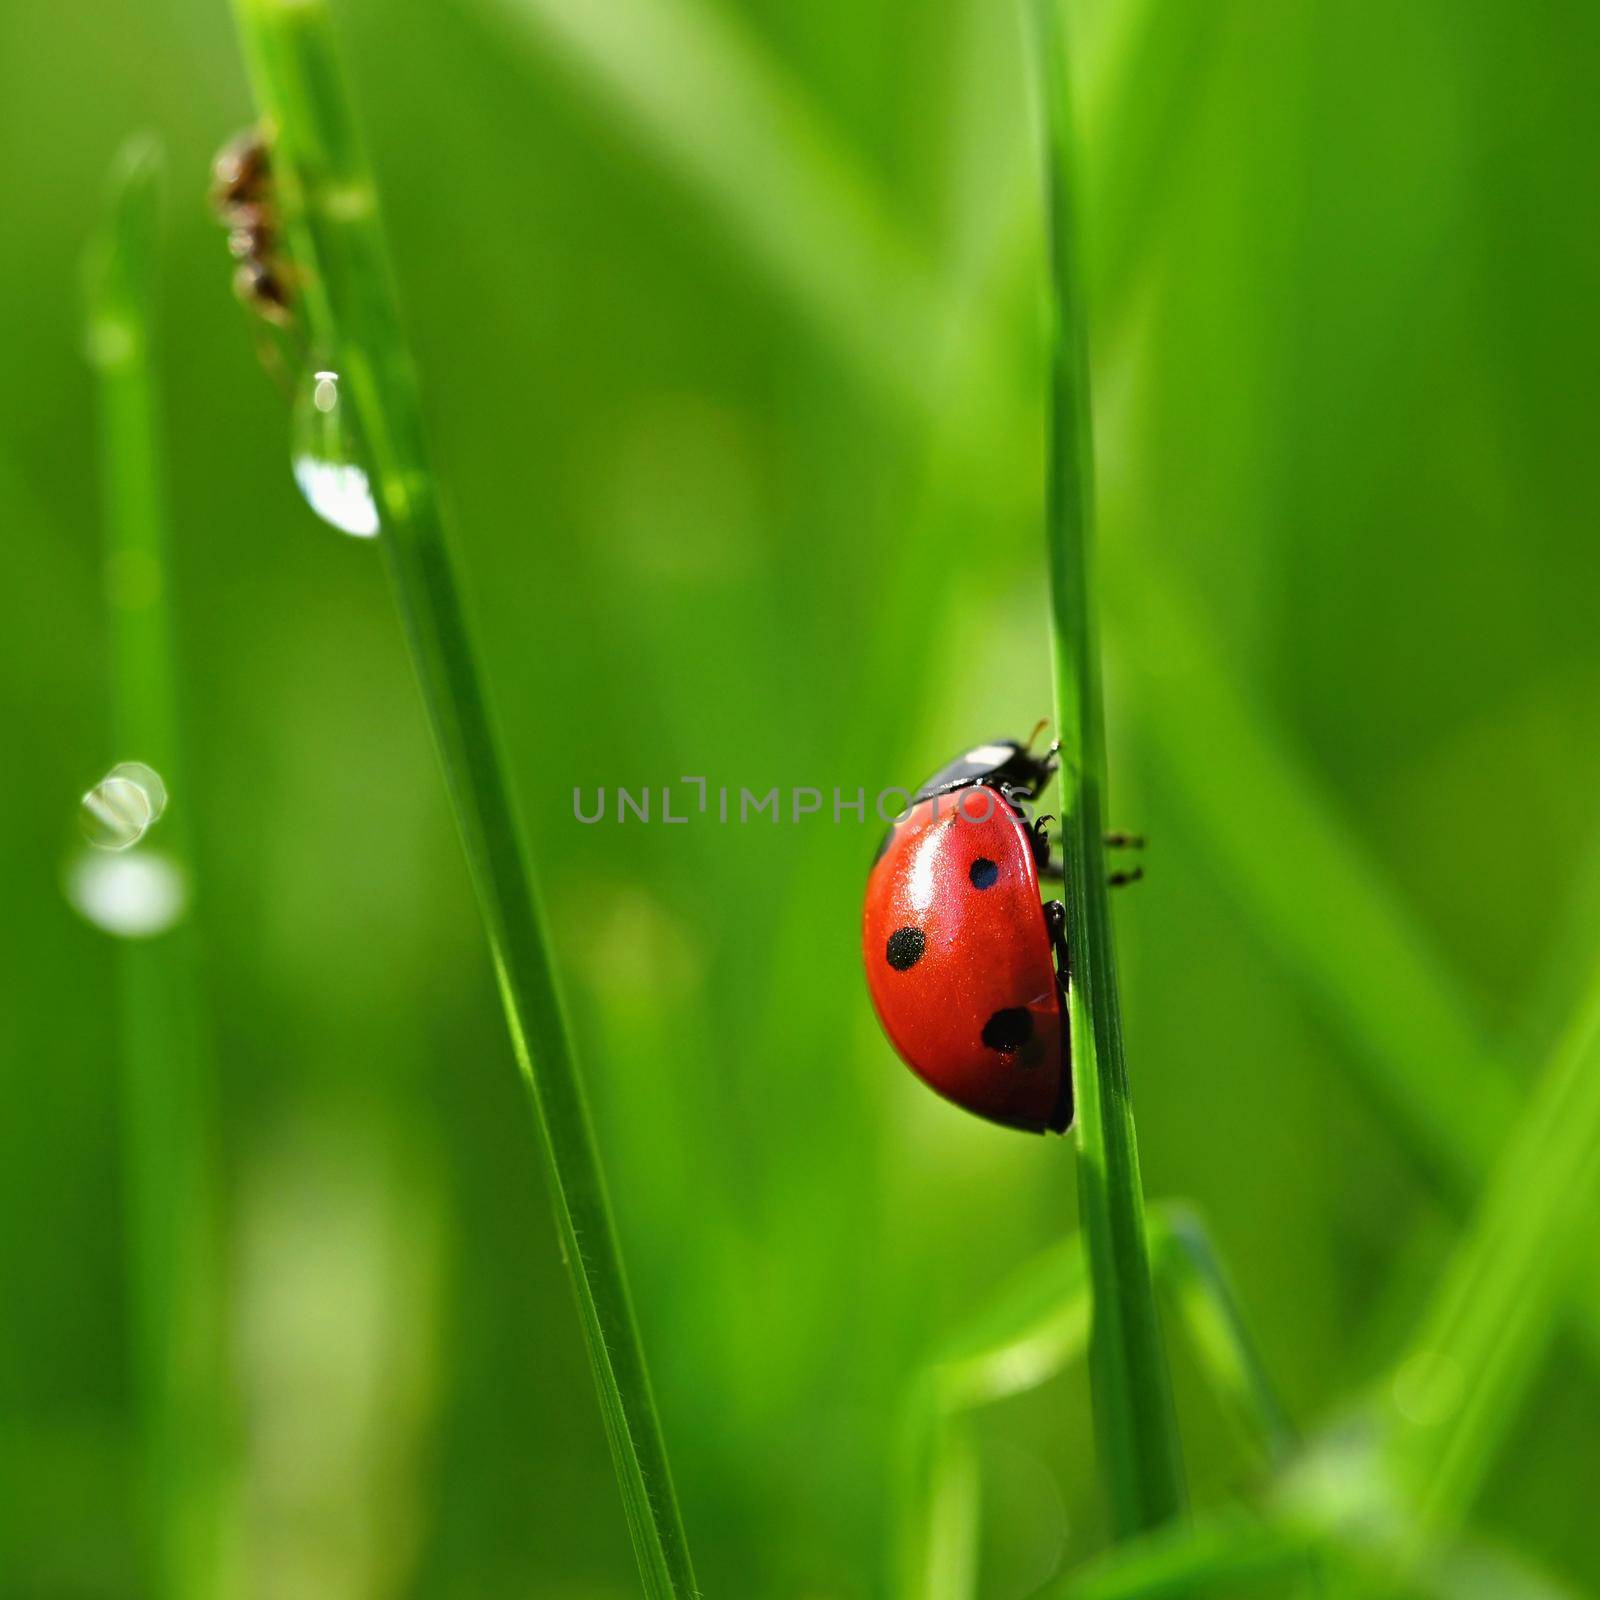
x,y
729,316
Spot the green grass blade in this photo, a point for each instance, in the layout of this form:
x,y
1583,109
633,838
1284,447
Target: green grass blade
x,y
1031,1330
1192,1276
1414,1038
1133,1403
1214,1556
938,1533
331,213
169,1157
1492,1316
1036,1326
1410,1033
727,119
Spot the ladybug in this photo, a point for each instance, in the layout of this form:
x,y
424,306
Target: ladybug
x,y
968,970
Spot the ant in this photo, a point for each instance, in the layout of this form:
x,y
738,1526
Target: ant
x,y
242,197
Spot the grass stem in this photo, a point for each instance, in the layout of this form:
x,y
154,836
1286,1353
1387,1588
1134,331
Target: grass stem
x,y
1494,1313
170,1164
336,242
1136,1429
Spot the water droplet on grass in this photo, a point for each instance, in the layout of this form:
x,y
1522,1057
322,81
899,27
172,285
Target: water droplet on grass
x,y
149,780
324,456
125,804
115,814
132,896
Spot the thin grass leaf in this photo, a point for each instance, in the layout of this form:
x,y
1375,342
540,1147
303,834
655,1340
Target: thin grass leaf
x,y
1412,1041
331,214
1475,1569
1137,1432
1213,1555
724,115
1032,1331
1034,1328
938,1554
1492,1318
1192,1276
1239,1552
170,1160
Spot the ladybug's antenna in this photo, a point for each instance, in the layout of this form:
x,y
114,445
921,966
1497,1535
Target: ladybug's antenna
x,y
1038,728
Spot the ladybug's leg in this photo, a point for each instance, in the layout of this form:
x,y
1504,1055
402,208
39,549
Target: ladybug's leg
x,y
1039,838
1125,841
1050,762
1055,921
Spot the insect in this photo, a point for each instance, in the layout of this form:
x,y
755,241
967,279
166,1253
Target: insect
x,y
967,969
242,197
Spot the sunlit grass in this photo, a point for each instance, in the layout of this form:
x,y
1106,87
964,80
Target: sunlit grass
x,y
1134,1422
1035,1328
740,301
175,1289
353,322
1467,1375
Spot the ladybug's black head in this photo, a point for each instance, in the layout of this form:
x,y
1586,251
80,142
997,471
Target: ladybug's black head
x,y
1002,764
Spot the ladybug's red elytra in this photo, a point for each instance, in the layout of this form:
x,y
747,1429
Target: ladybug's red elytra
x,y
967,969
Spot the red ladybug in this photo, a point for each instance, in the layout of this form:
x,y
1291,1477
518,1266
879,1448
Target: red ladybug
x,y
967,969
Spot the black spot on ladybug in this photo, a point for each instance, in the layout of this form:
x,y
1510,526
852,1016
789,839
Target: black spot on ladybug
x,y
905,948
983,873
1008,1030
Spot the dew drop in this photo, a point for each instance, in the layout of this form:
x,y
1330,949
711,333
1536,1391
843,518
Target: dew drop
x,y
149,780
136,895
324,456
114,814
123,806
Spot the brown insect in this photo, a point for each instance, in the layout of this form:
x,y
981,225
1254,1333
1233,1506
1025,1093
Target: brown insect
x,y
242,197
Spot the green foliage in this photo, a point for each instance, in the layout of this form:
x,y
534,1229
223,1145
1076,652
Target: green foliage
x,y
337,252
1134,1421
1035,1329
1467,1374
727,312
165,1111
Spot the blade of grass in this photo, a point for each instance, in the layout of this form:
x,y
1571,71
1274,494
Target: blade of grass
x,y
1415,1041
330,212
1192,1276
726,117
1492,1317
1034,1328
1210,1556
167,1083
1135,1425
1412,1041
1237,1552
1032,1331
